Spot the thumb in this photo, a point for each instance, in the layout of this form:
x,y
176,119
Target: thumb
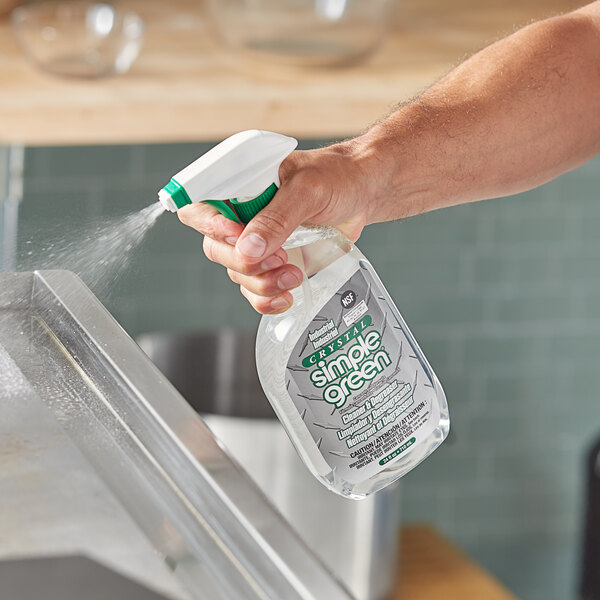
x,y
269,229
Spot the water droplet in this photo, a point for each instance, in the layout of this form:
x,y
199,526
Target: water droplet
x,y
99,253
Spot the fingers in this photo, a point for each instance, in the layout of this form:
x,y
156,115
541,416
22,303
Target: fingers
x,y
208,220
314,189
292,205
267,306
226,255
265,283
271,283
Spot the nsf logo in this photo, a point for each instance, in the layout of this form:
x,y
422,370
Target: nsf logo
x,y
348,299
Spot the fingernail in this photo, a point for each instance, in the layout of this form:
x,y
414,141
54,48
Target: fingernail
x,y
271,263
279,303
287,281
231,240
252,246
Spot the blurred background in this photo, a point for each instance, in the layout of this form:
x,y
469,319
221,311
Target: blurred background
x,y
503,296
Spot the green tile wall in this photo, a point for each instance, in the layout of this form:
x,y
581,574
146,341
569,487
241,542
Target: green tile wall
x,y
504,297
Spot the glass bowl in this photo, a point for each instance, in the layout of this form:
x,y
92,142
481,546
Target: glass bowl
x,y
78,39
303,32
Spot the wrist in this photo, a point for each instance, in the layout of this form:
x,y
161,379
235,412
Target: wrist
x,y
394,153
371,173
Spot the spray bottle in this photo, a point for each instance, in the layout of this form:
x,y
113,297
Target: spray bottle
x,y
340,367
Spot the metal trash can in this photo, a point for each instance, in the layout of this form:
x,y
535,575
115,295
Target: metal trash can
x,y
216,373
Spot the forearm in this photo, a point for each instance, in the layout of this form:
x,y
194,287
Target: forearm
x,y
513,116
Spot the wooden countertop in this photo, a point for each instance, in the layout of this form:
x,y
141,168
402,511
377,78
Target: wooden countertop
x,y
433,569
186,86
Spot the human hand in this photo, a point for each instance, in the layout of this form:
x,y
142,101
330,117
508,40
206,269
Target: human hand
x,y
328,186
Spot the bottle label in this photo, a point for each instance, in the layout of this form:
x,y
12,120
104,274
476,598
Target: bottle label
x,y
359,382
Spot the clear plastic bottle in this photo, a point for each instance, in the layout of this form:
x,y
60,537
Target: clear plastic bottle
x,y
398,410
341,369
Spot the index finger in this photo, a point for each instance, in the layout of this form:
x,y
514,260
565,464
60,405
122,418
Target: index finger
x,y
208,220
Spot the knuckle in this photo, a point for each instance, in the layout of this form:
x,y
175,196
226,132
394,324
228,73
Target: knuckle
x,y
311,187
258,303
263,286
192,217
308,176
272,221
183,216
259,285
245,268
198,218
290,165
261,305
206,226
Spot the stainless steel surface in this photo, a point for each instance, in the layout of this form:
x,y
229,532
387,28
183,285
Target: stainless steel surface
x,y
116,463
216,373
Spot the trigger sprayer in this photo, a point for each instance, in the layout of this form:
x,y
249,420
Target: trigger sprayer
x,y
238,177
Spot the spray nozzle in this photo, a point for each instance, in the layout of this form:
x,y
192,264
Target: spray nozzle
x,y
238,177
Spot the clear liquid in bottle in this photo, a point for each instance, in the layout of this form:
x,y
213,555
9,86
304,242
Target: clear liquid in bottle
x,y
344,374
